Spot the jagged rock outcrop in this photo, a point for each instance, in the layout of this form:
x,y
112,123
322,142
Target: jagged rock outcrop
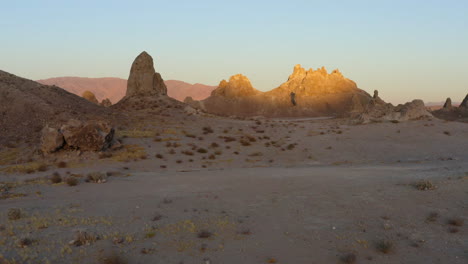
x,y
306,93
464,103
90,97
88,136
452,113
51,139
146,90
75,134
378,110
143,79
237,86
106,102
448,104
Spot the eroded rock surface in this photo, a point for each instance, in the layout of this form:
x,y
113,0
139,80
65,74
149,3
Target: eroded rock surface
x,y
378,110
75,134
143,79
305,93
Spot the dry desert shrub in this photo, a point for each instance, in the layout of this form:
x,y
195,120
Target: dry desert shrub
x,y
71,181
42,167
159,156
187,152
207,130
83,238
456,221
202,150
384,246
424,185
56,178
62,164
432,217
256,154
105,155
204,234
229,139
350,258
112,259
24,242
96,177
245,142
190,135
14,214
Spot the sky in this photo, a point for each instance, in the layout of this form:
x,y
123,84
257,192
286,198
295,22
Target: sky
x,y
405,49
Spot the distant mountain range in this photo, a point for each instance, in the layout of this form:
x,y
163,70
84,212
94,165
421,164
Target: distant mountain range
x,y
114,88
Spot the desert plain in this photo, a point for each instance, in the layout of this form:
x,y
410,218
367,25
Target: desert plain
x,y
173,183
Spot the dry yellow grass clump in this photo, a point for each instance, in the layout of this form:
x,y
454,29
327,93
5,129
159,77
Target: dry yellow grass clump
x,y
135,133
29,167
129,153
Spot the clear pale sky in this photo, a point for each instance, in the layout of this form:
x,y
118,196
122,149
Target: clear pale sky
x,y
405,49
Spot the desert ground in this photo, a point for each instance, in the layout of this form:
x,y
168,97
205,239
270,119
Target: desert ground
x,y
207,189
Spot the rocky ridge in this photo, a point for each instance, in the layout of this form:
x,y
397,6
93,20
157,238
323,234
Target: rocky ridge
x,y
305,93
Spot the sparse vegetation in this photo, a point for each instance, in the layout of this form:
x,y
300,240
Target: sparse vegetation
x,y
135,134
129,153
24,242
384,246
14,214
229,139
424,185
187,152
207,130
96,177
204,234
112,259
83,238
56,178
456,222
271,260
349,258
245,142
202,150
291,146
71,181
432,217
105,155
62,164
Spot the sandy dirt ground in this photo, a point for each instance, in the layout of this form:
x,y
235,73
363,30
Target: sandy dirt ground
x,y
214,190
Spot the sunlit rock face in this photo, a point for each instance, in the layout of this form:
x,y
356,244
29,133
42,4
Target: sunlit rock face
x,y
237,86
313,82
90,97
305,93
